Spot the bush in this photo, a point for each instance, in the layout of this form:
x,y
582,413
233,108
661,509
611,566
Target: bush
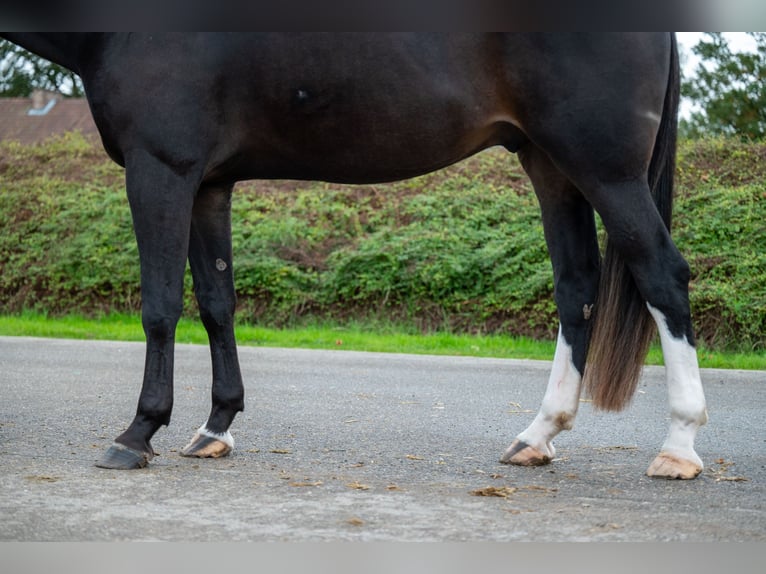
x,y
460,249
720,226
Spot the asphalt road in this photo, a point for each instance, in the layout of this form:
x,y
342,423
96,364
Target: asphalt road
x,y
338,445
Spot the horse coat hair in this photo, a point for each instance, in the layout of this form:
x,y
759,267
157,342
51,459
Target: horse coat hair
x,y
592,117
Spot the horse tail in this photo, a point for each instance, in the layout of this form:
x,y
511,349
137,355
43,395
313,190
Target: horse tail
x,y
622,327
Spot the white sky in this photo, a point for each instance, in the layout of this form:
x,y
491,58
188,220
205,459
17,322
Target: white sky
x,y
738,41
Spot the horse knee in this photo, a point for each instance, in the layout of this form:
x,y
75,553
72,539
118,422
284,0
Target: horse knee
x,y
160,327
216,312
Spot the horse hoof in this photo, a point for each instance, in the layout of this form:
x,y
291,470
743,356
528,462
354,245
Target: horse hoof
x,y
206,444
520,453
120,457
670,466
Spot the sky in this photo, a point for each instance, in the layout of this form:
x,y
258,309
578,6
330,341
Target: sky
x,y
738,42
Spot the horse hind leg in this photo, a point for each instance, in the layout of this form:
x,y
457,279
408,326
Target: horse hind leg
x,y
570,233
534,446
661,275
210,259
677,458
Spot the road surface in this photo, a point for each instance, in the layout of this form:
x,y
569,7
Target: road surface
x,y
337,445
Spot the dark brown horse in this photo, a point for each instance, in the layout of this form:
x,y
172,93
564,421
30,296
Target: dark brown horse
x,y
592,117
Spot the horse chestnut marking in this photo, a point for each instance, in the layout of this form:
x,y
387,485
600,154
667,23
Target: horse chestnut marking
x,y
220,264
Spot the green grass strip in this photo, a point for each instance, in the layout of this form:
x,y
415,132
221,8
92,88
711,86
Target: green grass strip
x,y
358,337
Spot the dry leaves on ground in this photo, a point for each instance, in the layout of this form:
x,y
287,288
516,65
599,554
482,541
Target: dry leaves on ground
x,y
723,467
506,491
615,448
497,491
41,478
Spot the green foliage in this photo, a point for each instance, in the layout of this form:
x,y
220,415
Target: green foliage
x,y
450,249
729,88
720,227
466,252
461,249
372,336
65,243
21,72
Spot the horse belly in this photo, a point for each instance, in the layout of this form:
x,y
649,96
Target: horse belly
x,y
369,108
372,153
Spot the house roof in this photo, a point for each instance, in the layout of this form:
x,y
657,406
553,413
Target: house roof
x,y
67,114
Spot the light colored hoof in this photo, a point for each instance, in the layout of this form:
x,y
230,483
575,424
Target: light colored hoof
x,y
670,466
203,445
521,454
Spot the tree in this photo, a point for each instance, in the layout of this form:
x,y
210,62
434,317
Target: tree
x,y
728,89
21,72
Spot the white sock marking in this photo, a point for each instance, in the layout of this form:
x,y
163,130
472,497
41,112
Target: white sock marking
x,y
559,406
685,394
224,437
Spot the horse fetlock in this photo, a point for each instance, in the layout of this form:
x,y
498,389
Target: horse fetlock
x,y
550,423
693,413
687,422
564,421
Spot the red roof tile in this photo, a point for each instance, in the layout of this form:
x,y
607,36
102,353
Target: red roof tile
x,y
67,114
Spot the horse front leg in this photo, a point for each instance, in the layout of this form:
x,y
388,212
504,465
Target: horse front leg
x,y
161,205
210,258
570,233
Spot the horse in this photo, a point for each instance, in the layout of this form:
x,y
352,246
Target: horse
x,y
592,117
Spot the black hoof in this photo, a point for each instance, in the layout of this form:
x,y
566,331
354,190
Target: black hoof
x,y
120,457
